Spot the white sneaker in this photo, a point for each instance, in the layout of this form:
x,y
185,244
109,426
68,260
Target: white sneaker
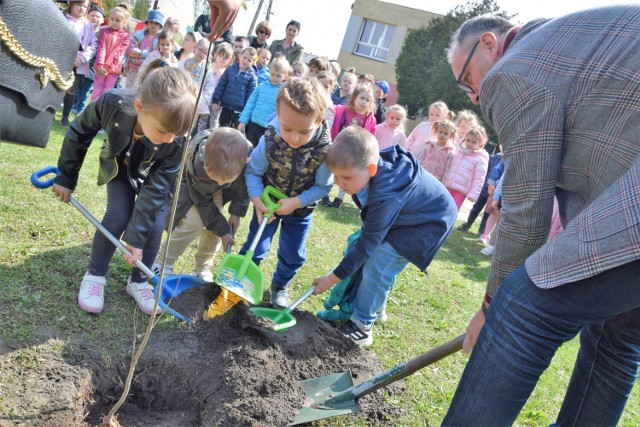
x,y
382,316
91,295
204,275
142,294
487,250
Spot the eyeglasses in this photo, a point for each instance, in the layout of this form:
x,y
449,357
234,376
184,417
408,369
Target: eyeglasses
x,y
264,32
202,51
465,87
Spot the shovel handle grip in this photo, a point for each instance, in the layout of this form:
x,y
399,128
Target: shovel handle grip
x,y
38,183
268,195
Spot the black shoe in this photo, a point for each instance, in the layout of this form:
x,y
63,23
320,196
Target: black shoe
x,y
337,202
64,121
363,337
326,202
464,227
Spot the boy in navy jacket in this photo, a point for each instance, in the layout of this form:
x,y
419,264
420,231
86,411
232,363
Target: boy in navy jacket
x,y
406,214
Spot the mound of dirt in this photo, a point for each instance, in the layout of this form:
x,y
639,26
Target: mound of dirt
x,y
233,371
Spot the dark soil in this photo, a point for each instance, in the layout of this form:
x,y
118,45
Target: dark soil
x,y
234,371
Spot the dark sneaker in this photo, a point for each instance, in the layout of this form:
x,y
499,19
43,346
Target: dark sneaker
x,y
337,202
279,298
326,202
464,227
359,336
64,121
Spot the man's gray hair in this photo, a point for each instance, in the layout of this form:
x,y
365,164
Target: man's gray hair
x,y
474,27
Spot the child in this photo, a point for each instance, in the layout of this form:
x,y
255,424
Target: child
x,y
328,80
347,85
406,217
96,16
197,68
380,91
142,42
138,165
391,132
319,64
264,57
235,87
299,69
360,112
214,176
239,44
435,156
465,119
465,176
165,51
223,58
113,42
290,157
76,14
366,79
494,172
189,43
425,131
173,24
262,102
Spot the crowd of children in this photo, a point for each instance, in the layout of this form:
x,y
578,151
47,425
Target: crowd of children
x,y
261,120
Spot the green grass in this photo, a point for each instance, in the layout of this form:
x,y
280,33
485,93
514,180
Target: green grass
x,y
44,248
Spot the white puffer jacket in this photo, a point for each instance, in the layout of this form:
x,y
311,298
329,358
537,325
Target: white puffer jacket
x,y
467,172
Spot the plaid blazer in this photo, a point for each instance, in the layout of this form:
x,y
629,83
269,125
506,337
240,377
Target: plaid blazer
x,y
565,102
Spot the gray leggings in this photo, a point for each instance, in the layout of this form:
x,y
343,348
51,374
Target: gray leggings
x,y
121,199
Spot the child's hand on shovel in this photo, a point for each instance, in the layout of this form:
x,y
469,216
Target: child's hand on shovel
x,y
324,283
136,255
261,209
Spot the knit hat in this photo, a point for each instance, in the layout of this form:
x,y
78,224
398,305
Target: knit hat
x,y
96,7
155,15
382,84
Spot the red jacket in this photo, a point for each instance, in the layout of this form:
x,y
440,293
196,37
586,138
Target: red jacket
x,y
111,48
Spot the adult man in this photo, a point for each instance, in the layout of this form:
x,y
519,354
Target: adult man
x,y
564,97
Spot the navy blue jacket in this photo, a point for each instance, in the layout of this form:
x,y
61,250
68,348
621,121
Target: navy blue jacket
x,y
235,87
405,206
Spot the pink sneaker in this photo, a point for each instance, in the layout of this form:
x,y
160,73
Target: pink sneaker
x,y
91,295
142,294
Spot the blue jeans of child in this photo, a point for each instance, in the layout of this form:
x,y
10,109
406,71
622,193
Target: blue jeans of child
x,y
82,93
378,275
525,325
292,251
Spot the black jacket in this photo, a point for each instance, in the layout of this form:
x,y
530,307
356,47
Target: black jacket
x,y
151,168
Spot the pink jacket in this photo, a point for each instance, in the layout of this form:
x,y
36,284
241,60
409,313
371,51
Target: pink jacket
x,y
87,37
111,48
421,133
345,117
388,137
467,172
434,158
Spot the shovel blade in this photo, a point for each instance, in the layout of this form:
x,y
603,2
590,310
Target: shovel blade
x,y
281,319
317,391
248,287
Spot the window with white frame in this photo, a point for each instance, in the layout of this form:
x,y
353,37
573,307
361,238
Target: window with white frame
x,y
375,40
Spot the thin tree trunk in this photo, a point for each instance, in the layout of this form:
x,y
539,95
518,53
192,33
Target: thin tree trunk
x,y
255,18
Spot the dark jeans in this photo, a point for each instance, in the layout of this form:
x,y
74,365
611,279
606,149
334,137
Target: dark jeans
x,y
478,206
70,95
524,328
254,132
229,118
292,251
121,200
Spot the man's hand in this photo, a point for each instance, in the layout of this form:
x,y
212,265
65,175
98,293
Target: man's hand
x,y
62,193
223,13
288,205
136,255
234,223
323,283
473,330
227,241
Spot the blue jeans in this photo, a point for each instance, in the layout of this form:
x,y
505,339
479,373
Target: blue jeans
x,y
378,276
292,251
82,93
525,325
